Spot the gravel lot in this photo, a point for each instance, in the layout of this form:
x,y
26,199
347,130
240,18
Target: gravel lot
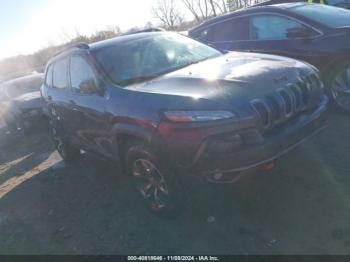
x,y
302,207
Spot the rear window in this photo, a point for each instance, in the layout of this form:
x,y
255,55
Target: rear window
x,y
231,30
327,15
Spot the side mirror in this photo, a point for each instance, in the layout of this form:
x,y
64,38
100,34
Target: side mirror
x,y
88,87
298,33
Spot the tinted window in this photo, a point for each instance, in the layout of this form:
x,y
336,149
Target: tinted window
x,y
147,57
271,27
60,74
234,29
48,79
83,79
324,14
334,2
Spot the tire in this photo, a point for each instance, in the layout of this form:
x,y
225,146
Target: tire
x,y
338,82
68,153
155,181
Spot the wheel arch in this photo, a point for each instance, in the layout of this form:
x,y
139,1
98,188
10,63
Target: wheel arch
x,y
126,134
329,68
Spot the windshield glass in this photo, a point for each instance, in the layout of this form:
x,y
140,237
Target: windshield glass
x,y
149,57
327,15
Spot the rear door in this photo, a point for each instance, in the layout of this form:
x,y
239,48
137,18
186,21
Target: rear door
x,y
227,35
58,95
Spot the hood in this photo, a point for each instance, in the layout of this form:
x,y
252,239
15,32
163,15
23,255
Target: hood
x,y
28,96
246,74
29,100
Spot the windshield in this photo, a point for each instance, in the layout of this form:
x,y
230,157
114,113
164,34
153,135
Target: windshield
x,y
149,57
327,15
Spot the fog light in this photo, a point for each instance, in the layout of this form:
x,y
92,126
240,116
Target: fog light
x,y
218,176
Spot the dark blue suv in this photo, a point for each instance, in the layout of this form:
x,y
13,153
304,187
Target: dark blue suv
x,y
164,105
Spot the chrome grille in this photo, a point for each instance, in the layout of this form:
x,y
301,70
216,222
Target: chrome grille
x,y
285,102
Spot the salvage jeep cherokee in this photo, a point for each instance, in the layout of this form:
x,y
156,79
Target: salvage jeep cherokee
x,y
165,105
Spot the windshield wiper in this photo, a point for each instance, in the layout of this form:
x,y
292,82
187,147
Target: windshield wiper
x,y
138,79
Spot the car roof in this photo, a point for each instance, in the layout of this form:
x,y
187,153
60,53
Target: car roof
x,y
123,39
289,5
250,10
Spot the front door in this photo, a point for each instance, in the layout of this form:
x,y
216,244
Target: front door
x,y
280,35
92,124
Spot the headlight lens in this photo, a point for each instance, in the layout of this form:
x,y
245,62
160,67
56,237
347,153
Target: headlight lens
x,y
197,116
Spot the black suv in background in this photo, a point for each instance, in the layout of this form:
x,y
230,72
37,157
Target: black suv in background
x,y
336,3
317,34
165,105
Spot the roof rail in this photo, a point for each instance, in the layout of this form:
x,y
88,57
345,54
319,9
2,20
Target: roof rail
x,y
147,30
80,45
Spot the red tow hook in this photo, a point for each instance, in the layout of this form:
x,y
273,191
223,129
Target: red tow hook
x,y
269,166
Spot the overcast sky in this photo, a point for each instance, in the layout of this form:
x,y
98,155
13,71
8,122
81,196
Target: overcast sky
x,y
27,26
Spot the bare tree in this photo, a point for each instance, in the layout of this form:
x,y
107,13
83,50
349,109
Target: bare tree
x,y
166,11
212,7
221,6
192,7
237,4
204,9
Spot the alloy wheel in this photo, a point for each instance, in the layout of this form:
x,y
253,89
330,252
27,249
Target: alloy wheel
x,y
341,89
150,183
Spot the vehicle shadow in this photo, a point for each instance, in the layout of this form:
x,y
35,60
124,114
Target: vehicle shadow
x,y
21,154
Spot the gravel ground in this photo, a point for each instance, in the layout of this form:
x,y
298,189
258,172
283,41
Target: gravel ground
x,y
302,207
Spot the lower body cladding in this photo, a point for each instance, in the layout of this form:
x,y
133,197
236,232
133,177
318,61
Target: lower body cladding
x,y
225,158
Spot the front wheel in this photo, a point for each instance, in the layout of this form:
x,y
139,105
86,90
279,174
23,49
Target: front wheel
x,y
339,86
155,182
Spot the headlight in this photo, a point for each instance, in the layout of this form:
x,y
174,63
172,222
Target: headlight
x,y
197,116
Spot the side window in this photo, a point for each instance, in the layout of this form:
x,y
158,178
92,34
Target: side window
x,y
60,74
272,27
48,78
83,79
230,30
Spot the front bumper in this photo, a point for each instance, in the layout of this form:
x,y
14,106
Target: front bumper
x,y
256,149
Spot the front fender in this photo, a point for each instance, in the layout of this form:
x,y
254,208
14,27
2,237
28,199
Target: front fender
x,y
132,130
